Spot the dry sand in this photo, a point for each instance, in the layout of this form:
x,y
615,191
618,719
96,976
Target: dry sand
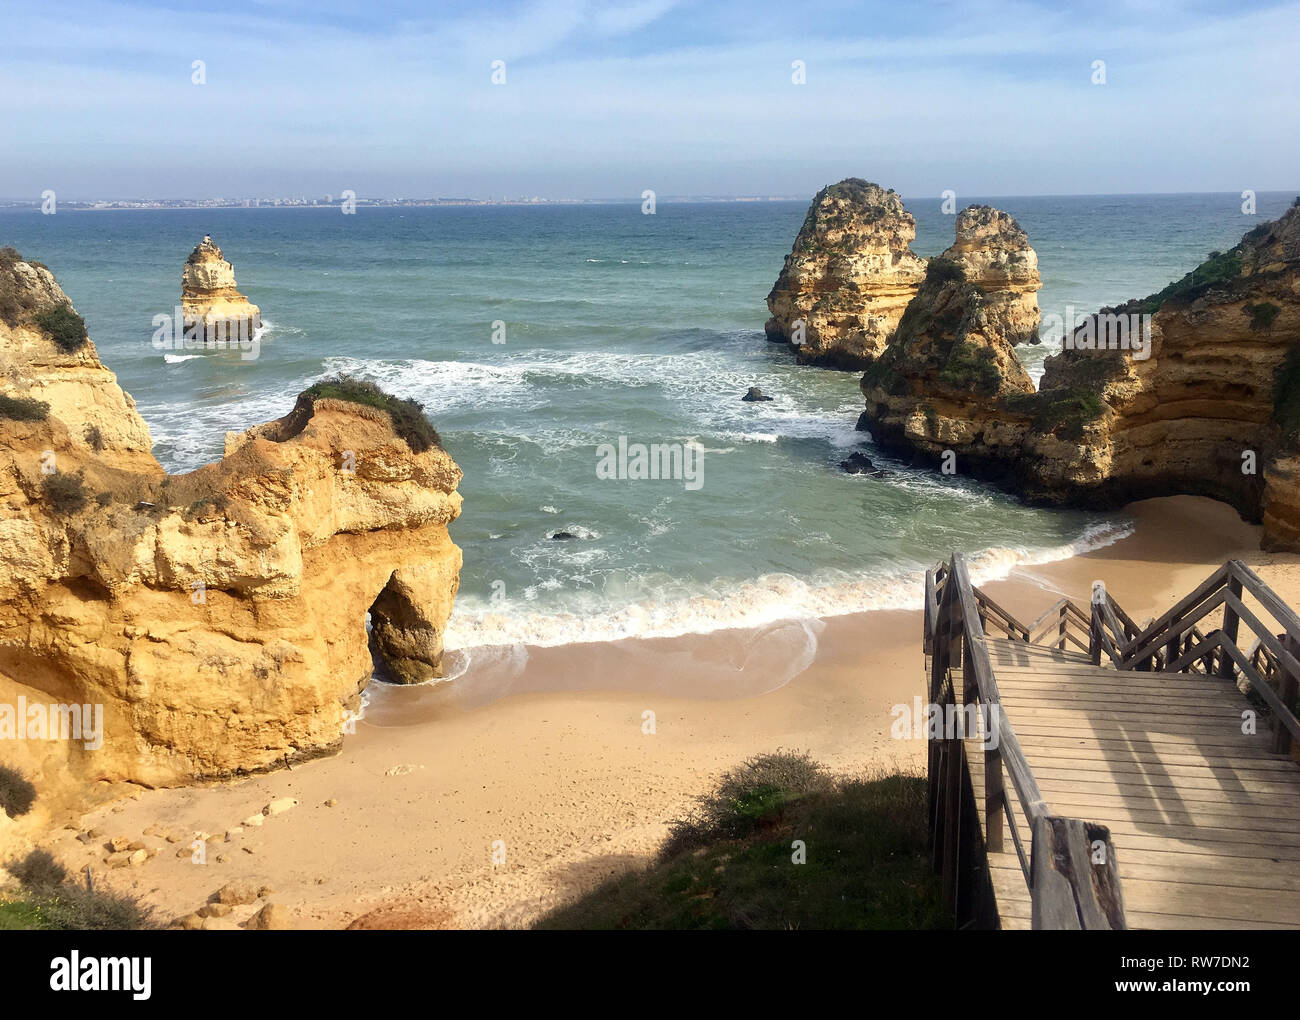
x,y
542,755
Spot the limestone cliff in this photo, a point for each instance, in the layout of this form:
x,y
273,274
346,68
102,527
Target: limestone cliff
x,y
211,305
1195,389
219,616
848,278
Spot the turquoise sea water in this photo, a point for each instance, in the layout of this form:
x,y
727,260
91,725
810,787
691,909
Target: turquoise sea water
x,y
616,324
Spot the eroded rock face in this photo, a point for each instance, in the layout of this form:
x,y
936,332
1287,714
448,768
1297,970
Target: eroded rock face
x,y
1208,405
211,305
849,277
217,616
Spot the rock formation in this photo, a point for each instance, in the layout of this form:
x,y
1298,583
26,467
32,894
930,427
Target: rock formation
x,y
848,279
1195,389
219,616
995,254
211,307
851,275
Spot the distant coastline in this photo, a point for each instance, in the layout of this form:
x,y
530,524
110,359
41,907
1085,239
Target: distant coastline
x,y
330,202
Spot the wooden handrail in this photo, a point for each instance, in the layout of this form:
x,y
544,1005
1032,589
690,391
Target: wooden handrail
x,y
1174,643
1064,891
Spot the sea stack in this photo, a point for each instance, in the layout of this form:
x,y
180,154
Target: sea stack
x,y
849,277
213,309
997,259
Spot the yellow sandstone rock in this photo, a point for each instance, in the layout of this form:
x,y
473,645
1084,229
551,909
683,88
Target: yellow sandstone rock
x,y
217,618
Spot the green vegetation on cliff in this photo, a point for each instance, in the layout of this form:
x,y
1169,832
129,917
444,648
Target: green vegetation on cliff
x,y
1217,269
65,327
16,300
1063,411
971,368
408,417
731,864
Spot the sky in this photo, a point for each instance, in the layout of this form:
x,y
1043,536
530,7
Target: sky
x,y
605,100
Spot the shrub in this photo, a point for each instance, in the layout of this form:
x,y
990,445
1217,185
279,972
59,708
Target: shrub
x,y
66,328
408,417
95,438
17,794
1261,315
76,908
23,409
65,493
54,901
745,798
38,871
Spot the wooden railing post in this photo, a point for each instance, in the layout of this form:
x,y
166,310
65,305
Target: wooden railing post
x,y
1287,683
994,792
1065,615
1076,880
1230,626
1095,628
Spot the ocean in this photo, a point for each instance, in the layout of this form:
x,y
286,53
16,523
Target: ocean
x,y
615,325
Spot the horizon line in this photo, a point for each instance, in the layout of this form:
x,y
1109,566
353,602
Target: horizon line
x,y
297,202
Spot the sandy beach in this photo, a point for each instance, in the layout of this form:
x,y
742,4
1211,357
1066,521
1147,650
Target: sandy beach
x,y
545,759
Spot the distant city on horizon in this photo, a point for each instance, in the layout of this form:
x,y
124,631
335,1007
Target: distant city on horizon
x,y
330,200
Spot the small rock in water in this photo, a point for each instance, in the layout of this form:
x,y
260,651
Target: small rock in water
x,y
754,394
561,535
860,464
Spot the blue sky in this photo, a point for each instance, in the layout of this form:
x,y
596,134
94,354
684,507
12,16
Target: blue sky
x,y
606,99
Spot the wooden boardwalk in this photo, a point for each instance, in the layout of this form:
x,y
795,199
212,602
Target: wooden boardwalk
x,y
1132,756
1205,821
